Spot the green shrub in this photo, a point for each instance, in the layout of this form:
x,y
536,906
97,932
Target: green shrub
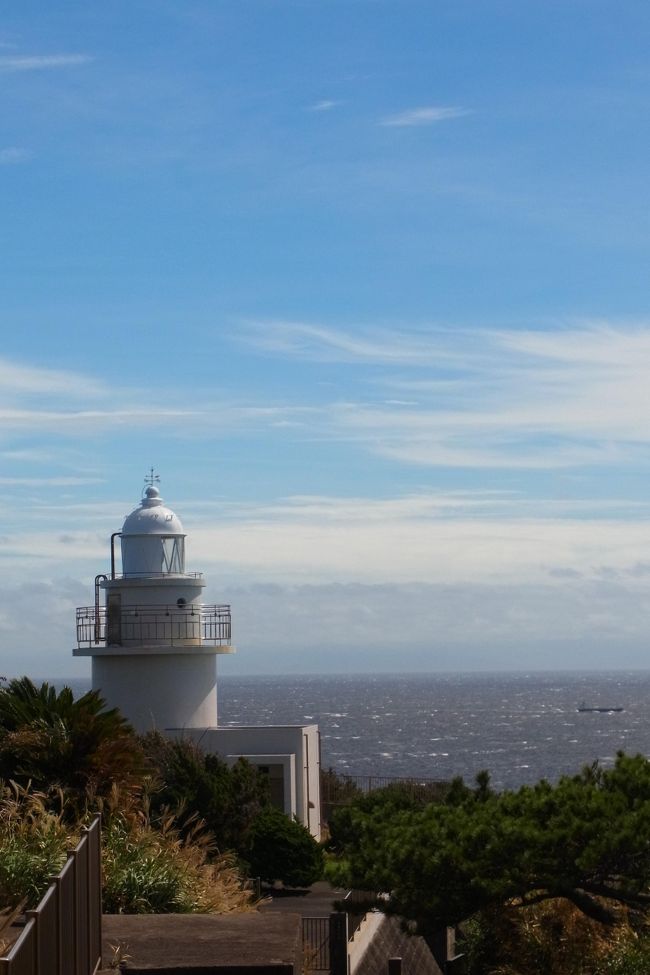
x,y
283,849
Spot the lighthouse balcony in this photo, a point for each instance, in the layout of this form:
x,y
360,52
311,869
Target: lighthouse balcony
x,y
147,625
156,574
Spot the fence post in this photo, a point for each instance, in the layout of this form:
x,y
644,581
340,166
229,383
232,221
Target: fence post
x,y
338,943
394,966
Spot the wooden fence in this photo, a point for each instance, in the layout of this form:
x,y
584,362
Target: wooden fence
x,y
63,935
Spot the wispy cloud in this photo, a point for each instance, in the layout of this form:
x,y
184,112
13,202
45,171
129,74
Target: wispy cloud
x,y
569,398
73,423
12,155
16,377
323,343
519,399
42,482
426,115
477,539
326,105
41,62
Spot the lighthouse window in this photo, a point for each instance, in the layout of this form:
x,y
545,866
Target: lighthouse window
x,y
173,555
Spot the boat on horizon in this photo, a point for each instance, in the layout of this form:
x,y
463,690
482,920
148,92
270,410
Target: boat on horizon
x,y
583,707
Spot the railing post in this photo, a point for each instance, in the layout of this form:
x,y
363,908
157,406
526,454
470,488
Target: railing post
x,y
438,946
338,943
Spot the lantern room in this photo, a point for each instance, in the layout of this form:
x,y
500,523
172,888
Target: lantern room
x,y
152,540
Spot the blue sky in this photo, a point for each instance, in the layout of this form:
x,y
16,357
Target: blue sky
x,y
367,282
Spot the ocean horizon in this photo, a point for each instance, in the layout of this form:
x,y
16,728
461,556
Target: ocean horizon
x,y
519,725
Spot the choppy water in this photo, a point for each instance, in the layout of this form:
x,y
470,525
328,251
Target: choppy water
x,y
519,726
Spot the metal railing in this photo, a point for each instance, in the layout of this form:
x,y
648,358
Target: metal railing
x,y
209,625
355,913
325,944
63,934
357,784
157,575
339,789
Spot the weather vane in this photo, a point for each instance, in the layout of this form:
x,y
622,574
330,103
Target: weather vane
x,y
152,478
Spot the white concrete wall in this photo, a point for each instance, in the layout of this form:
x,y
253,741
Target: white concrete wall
x,y
299,740
157,592
173,690
311,741
288,764
173,623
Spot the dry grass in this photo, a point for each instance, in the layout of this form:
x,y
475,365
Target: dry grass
x,y
556,938
149,867
33,844
7,917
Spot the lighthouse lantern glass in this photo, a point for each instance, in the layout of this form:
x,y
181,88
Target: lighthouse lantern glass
x,y
153,555
173,554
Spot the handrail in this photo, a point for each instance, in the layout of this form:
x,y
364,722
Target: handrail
x,y
157,575
64,931
186,625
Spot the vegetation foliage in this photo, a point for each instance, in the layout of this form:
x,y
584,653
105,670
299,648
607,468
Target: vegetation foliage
x,y
283,849
33,845
553,938
55,742
191,782
585,839
548,878
178,825
149,867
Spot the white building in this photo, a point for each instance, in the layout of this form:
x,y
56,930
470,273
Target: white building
x,y
154,647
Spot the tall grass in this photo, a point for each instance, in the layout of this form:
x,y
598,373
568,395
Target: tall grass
x,y
33,845
150,867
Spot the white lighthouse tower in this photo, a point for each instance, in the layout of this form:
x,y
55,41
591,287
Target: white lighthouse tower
x,y
154,648
153,642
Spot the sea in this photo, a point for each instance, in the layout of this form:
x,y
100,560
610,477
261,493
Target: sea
x,y
520,726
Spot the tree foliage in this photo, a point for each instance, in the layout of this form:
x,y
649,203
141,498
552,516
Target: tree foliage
x,y
585,839
79,746
190,782
283,849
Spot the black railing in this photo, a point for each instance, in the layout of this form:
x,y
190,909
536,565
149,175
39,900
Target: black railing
x,y
325,944
209,625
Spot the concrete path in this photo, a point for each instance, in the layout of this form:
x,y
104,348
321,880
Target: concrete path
x,y
203,944
315,901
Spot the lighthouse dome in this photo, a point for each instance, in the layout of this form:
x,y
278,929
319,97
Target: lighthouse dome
x,y
153,540
152,517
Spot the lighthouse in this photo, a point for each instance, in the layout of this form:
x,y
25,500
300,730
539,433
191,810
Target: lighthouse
x,y
152,640
154,647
